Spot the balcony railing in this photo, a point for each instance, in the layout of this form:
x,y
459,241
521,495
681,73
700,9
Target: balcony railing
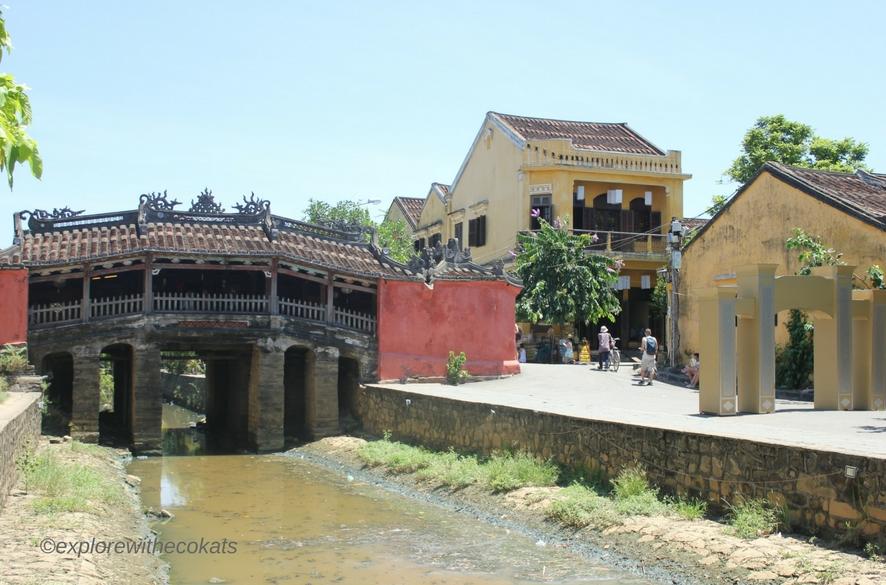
x,y
626,242
228,304
563,155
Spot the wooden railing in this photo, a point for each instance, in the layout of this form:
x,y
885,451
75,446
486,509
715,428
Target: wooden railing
x,y
54,313
114,306
355,320
103,308
209,303
302,309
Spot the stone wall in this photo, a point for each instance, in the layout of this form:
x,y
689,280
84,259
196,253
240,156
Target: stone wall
x,y
186,390
811,485
19,429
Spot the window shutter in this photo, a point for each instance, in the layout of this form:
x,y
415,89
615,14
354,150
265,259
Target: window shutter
x,y
627,220
481,231
472,233
656,220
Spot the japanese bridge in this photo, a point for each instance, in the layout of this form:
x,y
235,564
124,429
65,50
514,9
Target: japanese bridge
x,y
283,313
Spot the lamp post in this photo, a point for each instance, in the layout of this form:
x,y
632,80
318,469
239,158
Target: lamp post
x,y
675,237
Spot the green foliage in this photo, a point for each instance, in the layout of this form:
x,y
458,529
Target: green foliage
x,y
13,359
875,277
394,455
89,449
345,212
794,363
687,509
106,387
753,518
397,239
578,506
718,202
4,387
633,495
562,281
504,472
775,138
812,251
193,366
658,305
455,370
451,469
873,552
66,487
16,147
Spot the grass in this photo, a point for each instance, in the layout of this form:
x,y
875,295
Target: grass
x,y
753,518
88,449
4,386
578,506
66,487
501,472
688,509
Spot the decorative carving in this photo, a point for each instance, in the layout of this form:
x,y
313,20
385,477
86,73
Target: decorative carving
x,y
252,206
158,201
206,203
56,213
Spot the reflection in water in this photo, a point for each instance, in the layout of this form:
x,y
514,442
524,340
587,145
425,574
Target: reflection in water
x,y
295,523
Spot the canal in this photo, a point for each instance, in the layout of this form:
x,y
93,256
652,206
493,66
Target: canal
x,y
294,522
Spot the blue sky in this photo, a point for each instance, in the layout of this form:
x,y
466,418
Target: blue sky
x,y
370,100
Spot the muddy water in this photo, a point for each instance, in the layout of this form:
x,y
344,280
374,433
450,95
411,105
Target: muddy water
x,y
296,523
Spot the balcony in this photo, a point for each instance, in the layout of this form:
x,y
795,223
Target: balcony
x,y
563,155
52,314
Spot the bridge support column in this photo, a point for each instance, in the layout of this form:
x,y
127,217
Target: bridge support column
x,y
322,396
85,396
266,394
147,404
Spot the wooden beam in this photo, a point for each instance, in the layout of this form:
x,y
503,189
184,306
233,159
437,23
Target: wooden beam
x,y
330,297
272,300
149,285
236,267
84,300
355,287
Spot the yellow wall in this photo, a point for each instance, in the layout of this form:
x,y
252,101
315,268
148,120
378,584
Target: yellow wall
x,y
753,230
432,218
395,212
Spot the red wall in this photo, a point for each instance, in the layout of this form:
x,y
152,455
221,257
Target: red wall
x,y
418,325
14,305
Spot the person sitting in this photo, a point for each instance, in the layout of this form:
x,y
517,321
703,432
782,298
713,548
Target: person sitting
x,y
521,354
692,370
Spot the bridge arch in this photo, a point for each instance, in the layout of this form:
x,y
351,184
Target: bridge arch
x,y
116,385
59,367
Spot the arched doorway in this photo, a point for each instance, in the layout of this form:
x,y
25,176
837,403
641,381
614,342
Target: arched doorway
x,y
295,392
348,382
115,394
59,397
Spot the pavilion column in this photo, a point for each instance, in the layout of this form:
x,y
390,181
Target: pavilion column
x,y
84,300
833,344
85,395
716,394
756,338
147,403
149,285
273,306
330,298
266,394
321,402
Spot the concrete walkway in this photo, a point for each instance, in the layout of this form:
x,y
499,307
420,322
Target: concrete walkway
x,y
615,397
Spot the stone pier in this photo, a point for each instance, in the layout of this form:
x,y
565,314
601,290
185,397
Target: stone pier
x,y
322,395
266,392
85,395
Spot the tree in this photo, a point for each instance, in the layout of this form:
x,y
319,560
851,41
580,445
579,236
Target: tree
x,y
562,281
344,212
775,138
718,202
395,236
16,147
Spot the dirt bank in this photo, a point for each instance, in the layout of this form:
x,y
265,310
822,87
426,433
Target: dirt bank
x,y
665,549
83,495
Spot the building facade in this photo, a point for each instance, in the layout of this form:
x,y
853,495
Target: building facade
x,y
604,177
847,210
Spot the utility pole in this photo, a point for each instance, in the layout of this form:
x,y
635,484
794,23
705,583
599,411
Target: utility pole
x,y
675,257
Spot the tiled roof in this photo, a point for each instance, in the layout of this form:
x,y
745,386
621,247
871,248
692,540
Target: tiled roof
x,y
411,207
608,137
691,223
443,188
861,191
97,243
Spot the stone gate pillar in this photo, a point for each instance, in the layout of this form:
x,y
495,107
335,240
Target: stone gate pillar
x,y
716,393
85,395
833,344
147,403
756,338
266,395
321,415
874,398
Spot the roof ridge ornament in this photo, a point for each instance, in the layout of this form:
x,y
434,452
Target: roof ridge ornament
x,y
206,203
56,213
252,206
157,201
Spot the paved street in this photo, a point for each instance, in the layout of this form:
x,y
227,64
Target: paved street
x,y
616,397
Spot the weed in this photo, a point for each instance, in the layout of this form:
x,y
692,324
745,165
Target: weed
x,y
455,371
579,506
394,455
634,496
452,469
88,449
753,518
688,509
873,552
13,359
4,386
504,472
66,487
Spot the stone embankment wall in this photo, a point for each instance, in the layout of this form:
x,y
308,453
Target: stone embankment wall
x,y
811,485
187,390
19,430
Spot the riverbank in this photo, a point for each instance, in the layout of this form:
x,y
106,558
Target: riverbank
x,y
69,492
662,547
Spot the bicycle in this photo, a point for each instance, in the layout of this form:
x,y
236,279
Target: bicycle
x,y
614,355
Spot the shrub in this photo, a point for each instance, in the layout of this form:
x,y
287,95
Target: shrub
x,y
455,372
753,518
578,506
504,472
13,359
633,495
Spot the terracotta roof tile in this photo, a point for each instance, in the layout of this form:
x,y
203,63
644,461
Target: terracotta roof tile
x,y
411,208
602,136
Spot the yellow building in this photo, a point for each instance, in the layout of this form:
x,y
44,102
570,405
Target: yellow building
x,y
847,210
406,208
605,177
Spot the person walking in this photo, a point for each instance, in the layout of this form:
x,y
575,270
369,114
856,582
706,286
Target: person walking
x,y
649,345
604,347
